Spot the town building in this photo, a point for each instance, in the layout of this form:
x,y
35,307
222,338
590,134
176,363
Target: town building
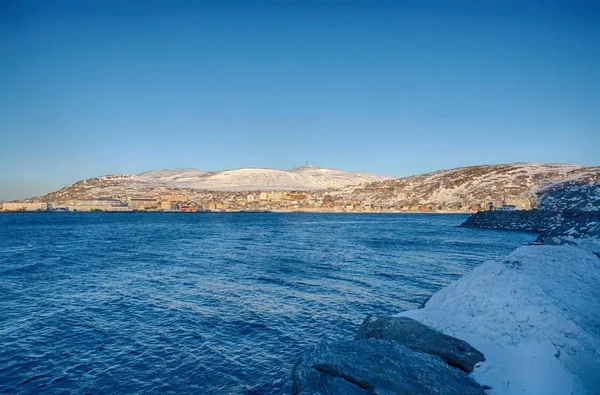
x,y
143,203
25,206
520,203
166,205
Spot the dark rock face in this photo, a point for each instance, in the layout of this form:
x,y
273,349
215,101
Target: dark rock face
x,y
545,222
372,366
571,196
420,337
536,221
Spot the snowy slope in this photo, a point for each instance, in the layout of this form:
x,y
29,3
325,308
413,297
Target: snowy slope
x,y
534,315
479,183
467,184
567,196
301,178
524,177
174,175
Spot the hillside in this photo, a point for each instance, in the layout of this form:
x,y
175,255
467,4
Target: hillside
x,y
527,181
304,178
300,178
521,184
570,196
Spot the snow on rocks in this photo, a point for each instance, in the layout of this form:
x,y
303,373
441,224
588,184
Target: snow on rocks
x,y
535,317
561,197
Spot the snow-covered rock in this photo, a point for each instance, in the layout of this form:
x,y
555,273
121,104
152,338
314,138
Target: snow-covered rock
x,y
479,184
578,224
419,337
570,196
535,317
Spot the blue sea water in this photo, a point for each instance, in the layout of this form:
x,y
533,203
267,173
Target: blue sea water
x,y
208,303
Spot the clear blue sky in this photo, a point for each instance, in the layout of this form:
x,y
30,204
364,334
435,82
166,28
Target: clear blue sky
x,y
102,87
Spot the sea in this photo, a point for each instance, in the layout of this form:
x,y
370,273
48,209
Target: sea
x,y
209,303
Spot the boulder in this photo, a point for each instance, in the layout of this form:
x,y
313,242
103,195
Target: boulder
x,y
377,366
419,337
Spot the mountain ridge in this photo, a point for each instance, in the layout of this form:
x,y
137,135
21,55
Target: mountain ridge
x,y
243,179
521,184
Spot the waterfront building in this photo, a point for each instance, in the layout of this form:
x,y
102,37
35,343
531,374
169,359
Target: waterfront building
x,y
26,206
166,205
143,203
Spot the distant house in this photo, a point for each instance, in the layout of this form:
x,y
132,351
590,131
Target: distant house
x,y
166,205
520,203
497,203
275,196
142,203
294,196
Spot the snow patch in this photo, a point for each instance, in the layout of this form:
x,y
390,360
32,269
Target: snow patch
x,y
534,315
248,179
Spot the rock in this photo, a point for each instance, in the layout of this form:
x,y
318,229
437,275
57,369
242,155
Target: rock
x,y
420,337
574,223
374,366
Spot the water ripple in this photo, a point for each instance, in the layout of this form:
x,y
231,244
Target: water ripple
x,y
122,303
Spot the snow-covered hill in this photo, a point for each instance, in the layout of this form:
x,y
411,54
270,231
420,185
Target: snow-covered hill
x,y
475,184
300,178
479,183
250,179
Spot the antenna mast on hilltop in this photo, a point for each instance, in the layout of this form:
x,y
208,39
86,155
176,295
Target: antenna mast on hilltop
x,y
306,161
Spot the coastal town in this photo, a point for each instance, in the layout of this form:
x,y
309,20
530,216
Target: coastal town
x,y
377,200
519,186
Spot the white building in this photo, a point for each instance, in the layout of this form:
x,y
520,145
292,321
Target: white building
x,y
520,203
92,207
24,206
275,196
102,202
271,196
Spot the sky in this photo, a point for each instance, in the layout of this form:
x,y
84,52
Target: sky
x,y
89,88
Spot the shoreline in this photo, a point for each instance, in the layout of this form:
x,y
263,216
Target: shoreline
x,y
532,314
546,223
242,212
533,311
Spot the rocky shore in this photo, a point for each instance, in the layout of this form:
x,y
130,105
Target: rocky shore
x,y
526,324
547,223
389,355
